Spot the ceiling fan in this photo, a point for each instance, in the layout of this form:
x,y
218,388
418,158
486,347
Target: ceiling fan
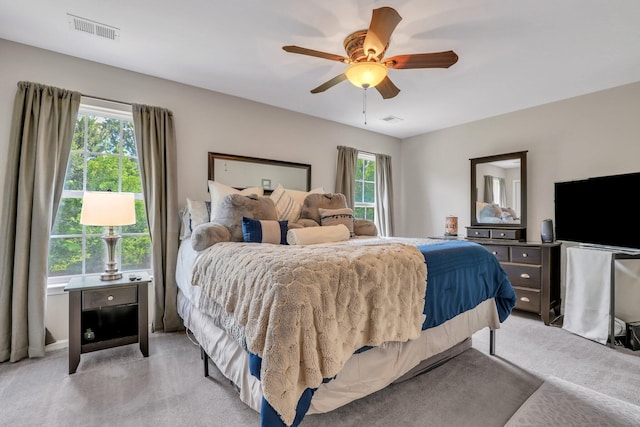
x,y
365,52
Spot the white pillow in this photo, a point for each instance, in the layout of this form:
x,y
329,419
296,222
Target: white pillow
x,y
218,191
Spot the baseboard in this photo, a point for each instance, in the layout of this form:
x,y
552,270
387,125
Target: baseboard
x,y
57,345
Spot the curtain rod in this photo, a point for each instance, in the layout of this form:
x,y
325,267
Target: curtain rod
x,y
106,99
360,151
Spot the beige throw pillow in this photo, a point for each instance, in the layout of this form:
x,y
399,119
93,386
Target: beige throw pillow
x,y
337,216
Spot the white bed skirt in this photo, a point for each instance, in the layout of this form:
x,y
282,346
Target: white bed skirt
x,y
389,361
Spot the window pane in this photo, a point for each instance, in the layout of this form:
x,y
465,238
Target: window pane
x,y
359,167
78,135
103,135
65,256
358,213
369,192
68,217
103,173
371,214
128,140
74,176
96,257
358,192
369,170
136,252
131,182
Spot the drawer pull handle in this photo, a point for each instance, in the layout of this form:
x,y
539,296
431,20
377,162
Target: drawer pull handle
x,y
525,299
524,255
494,252
110,298
477,232
525,276
502,234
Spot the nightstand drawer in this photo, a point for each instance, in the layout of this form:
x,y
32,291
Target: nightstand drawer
x,y
523,275
108,297
501,252
528,300
526,255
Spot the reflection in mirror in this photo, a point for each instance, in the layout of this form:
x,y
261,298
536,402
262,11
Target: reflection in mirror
x,y
498,190
242,172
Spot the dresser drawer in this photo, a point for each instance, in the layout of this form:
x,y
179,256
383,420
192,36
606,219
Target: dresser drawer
x,y
528,299
497,233
526,255
483,233
109,297
501,252
527,276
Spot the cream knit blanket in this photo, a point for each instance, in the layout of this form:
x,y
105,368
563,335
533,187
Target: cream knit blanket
x,y
306,309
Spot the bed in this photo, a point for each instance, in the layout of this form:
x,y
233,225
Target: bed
x,y
465,290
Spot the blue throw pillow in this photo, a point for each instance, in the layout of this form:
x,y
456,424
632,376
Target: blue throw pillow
x,y
263,231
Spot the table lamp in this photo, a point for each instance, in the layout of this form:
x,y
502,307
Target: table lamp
x,y
108,209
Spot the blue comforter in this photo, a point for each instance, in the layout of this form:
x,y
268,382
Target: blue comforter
x,y
460,275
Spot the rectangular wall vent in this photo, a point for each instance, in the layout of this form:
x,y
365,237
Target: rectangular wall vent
x,y
392,119
92,27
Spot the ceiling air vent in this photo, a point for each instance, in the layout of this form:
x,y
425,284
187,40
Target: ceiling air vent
x,y
392,119
92,27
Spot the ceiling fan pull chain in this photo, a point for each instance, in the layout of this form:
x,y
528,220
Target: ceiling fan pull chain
x,y
364,104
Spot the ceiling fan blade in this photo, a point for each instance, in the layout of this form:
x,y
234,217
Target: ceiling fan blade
x,y
423,60
387,89
316,53
331,83
383,21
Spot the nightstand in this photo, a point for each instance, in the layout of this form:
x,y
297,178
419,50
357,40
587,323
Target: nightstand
x,y
105,314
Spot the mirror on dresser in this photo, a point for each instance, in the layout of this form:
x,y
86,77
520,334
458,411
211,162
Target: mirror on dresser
x,y
498,205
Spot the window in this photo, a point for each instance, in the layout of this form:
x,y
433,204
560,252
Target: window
x,y
365,188
103,157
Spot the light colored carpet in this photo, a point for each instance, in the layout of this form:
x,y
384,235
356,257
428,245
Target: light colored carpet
x,y
558,402
120,387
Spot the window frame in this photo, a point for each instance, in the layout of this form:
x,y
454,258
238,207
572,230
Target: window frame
x,y
367,205
111,110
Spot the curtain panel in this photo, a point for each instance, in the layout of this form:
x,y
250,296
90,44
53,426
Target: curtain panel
x,y
384,195
157,154
346,173
42,128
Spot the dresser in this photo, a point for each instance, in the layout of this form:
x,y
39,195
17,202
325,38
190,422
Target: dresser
x,y
533,268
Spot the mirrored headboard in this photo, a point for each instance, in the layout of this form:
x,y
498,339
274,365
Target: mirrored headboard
x,y
241,172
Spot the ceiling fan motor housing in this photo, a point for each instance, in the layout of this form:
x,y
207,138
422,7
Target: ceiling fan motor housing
x,y
353,46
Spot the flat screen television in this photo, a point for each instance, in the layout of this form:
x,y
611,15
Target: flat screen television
x,y
598,211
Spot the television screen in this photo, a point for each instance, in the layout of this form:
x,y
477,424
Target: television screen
x,y
598,211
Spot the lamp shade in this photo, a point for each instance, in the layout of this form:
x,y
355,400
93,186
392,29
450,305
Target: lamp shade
x,y
366,74
107,208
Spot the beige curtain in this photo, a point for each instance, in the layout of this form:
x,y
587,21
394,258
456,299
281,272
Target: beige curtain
x,y
156,142
346,173
39,144
384,195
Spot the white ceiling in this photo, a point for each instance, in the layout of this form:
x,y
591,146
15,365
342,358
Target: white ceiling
x,y
513,54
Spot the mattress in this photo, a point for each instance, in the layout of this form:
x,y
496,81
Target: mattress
x,y
391,361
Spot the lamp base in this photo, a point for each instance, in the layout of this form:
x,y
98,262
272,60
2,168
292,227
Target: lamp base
x,y
111,276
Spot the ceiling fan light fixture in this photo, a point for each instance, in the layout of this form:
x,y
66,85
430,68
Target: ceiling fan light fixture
x,y
366,74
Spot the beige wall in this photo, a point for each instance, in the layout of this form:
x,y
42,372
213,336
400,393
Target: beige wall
x,y
205,121
590,135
